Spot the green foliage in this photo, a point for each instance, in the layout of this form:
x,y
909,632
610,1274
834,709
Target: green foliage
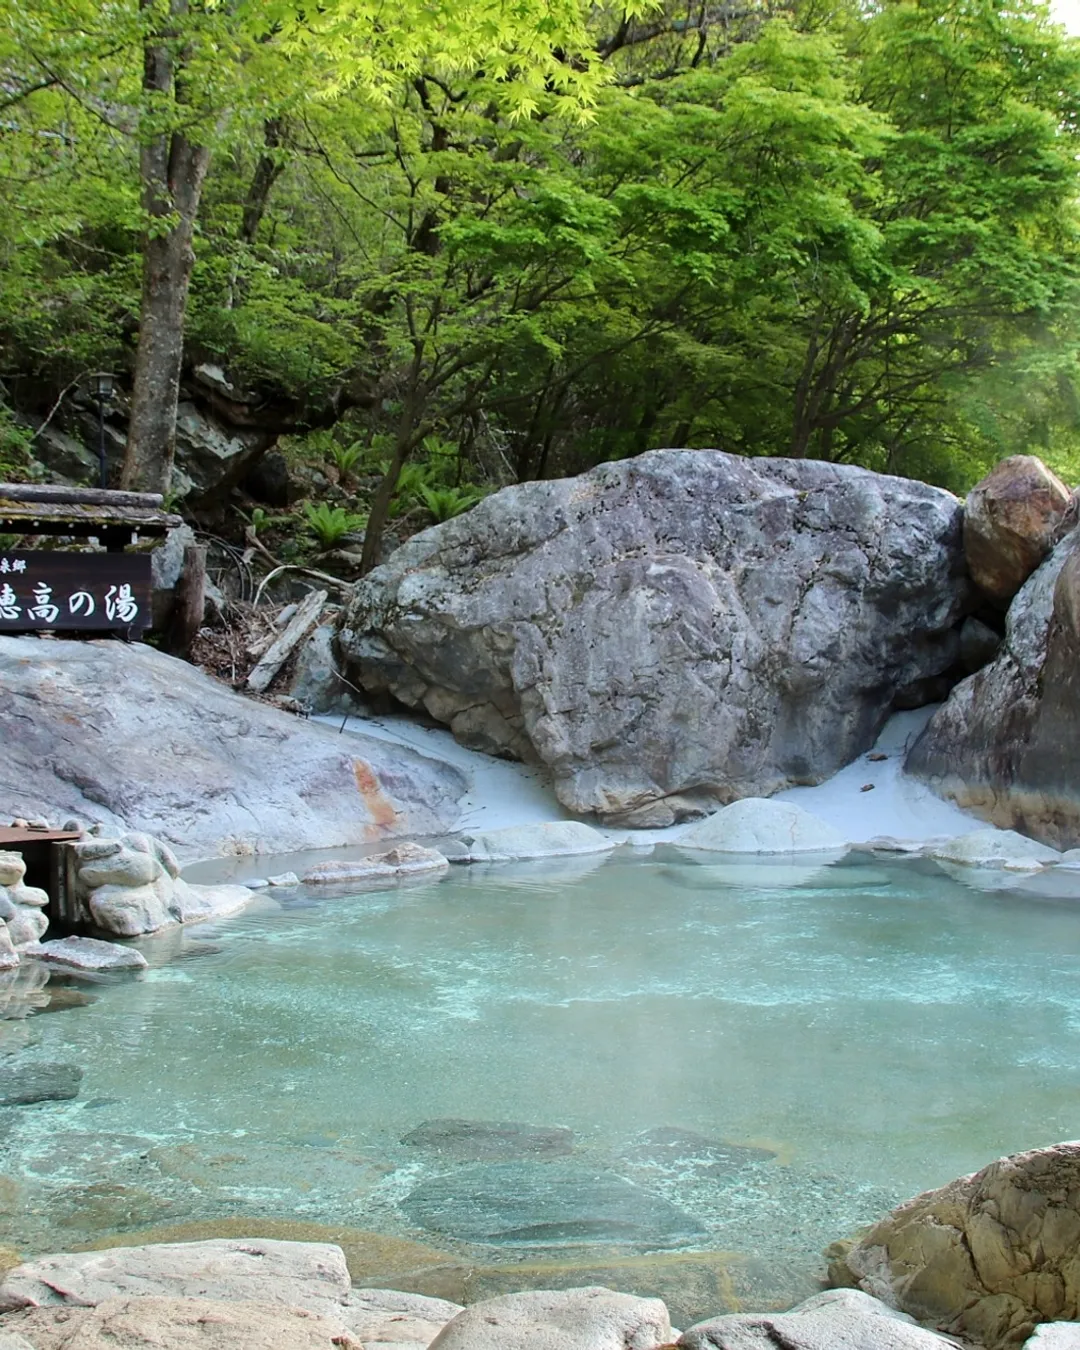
x,y
16,454
347,458
330,524
446,502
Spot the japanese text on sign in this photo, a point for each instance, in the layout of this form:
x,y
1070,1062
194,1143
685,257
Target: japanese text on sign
x,y
74,590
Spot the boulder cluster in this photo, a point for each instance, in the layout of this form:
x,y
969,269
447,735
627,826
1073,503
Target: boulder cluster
x,y
22,917
678,631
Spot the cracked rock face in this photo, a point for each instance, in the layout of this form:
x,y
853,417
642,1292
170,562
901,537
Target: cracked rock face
x,y
987,1256
1003,744
672,632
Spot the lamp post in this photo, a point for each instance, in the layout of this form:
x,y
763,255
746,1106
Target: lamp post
x,y
101,390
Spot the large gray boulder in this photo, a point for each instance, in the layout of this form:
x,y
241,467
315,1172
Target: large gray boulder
x,y
671,632
1003,743
132,739
986,1257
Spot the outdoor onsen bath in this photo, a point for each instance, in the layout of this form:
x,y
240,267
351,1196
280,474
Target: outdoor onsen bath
x,y
332,1061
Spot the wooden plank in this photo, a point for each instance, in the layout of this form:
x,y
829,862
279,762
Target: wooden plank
x,y
12,838
51,517
59,590
76,496
300,625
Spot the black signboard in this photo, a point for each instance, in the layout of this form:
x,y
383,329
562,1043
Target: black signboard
x,y
74,590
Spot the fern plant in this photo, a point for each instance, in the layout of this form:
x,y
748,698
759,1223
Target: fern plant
x,y
443,503
347,458
330,524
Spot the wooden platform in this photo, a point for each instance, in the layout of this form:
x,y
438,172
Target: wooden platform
x,y
11,838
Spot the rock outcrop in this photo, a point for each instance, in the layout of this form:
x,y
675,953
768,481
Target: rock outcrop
x,y
987,1256
569,1319
132,885
757,825
1011,522
838,1318
672,632
135,740
1003,744
22,910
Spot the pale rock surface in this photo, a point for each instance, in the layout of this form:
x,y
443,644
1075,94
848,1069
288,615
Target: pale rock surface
x,y
570,1319
1011,519
156,1323
84,953
757,825
310,1275
1048,1336
12,868
1070,859
986,1257
671,632
518,843
385,1317
133,739
9,957
1003,743
840,1319
404,860
995,848
12,1340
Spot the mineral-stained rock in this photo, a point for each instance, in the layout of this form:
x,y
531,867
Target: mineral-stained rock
x,y
840,1319
1011,521
671,632
156,1323
1003,744
126,736
24,1084
569,1319
474,1140
757,825
545,1204
987,1256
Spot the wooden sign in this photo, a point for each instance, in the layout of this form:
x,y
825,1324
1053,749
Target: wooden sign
x,y
83,591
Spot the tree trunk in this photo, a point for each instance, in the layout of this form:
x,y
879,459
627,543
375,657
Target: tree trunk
x,y
384,495
268,170
172,170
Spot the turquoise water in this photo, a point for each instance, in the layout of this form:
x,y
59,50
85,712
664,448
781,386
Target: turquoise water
x,y
872,1029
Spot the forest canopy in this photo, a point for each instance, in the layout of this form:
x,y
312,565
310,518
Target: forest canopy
x,y
530,237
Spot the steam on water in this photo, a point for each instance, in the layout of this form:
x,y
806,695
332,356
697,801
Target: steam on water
x,y
862,1031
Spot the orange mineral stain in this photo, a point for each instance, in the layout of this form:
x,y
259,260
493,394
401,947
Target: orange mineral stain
x,y
381,810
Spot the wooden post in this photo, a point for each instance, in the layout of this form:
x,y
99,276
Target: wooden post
x,y
187,615
63,900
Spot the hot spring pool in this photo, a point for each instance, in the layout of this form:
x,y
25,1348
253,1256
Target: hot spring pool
x,y
753,1059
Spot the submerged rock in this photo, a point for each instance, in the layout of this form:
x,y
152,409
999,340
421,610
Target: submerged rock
x,y
475,1140
757,825
24,1084
987,1256
671,632
674,1149
569,1319
838,1318
547,1204
126,736
83,953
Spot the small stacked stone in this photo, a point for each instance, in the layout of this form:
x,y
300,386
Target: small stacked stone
x,y
22,918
